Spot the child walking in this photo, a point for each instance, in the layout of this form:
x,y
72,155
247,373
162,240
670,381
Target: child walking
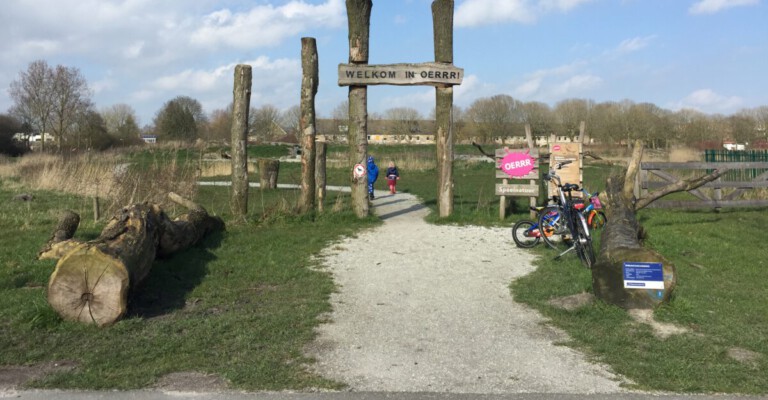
x,y
392,176
373,174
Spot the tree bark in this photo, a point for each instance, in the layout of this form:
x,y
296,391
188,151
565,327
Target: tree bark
x,y
621,239
320,174
240,108
359,19
309,83
442,16
92,280
268,171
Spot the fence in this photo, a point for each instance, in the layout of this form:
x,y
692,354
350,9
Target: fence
x,y
726,191
721,156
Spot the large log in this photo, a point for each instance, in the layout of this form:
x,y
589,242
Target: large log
x,y
92,280
621,239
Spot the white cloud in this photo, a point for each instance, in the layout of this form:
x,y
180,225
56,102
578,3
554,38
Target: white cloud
x,y
714,6
634,44
266,25
707,100
549,85
487,12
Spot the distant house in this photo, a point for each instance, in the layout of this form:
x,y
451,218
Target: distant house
x,y
149,139
36,138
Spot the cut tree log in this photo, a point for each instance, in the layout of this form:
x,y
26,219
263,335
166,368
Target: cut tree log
x,y
621,239
92,280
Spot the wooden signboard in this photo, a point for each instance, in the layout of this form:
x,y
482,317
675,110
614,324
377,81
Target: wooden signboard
x,y
437,74
523,190
571,173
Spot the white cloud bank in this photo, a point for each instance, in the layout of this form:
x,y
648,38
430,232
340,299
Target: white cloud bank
x,y
715,6
488,12
707,99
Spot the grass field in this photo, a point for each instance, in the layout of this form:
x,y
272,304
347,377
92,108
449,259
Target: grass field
x,y
245,302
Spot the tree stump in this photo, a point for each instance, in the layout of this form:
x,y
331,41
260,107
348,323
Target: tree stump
x,y
92,280
621,240
268,170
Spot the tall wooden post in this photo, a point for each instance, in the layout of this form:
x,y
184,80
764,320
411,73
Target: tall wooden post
x,y
359,19
240,106
320,175
442,17
309,82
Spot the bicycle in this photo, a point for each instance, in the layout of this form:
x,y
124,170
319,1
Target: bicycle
x,y
593,212
569,231
526,232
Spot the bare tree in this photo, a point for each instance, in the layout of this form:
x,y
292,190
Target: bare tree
x,y
497,116
403,121
121,121
289,120
220,124
263,121
569,114
539,116
33,96
71,99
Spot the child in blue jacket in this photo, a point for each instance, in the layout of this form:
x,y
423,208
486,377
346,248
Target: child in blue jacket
x,y
373,174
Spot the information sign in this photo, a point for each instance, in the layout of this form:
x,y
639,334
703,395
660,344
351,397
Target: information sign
x,y
643,275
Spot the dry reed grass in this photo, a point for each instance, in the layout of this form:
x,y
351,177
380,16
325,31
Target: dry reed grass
x,y
106,176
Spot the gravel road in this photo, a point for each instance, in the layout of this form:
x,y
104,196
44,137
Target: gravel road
x,y
425,308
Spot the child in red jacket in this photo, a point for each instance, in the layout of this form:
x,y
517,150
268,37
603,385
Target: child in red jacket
x,y
392,176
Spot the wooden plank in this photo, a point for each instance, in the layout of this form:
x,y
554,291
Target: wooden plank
x,y
500,153
704,165
707,204
431,73
517,190
713,185
503,175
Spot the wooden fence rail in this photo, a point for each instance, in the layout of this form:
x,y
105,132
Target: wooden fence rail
x,y
654,175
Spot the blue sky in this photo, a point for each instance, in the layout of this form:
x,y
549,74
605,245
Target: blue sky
x,y
708,55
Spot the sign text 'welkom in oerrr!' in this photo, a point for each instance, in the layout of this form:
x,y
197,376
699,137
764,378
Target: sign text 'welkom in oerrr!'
x,y
643,275
437,74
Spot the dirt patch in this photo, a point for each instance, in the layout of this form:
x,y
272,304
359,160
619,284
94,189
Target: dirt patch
x,y
16,376
191,382
662,330
572,302
744,356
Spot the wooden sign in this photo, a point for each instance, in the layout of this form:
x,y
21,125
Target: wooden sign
x,y
436,74
500,153
571,173
517,190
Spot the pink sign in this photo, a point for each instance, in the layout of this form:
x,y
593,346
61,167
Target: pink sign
x,y
517,164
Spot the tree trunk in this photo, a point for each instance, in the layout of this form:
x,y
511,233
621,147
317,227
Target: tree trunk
x,y
320,174
621,240
240,108
268,171
359,20
309,84
92,280
442,16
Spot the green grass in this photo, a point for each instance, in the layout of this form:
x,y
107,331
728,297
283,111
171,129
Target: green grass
x,y
241,304
245,302
719,299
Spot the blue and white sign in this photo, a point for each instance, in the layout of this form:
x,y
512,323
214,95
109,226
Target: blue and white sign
x,y
643,275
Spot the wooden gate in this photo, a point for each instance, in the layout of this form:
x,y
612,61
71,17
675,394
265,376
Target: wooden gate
x,y
722,192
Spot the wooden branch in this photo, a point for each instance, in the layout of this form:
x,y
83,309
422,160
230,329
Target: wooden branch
x,y
679,186
632,170
61,241
489,155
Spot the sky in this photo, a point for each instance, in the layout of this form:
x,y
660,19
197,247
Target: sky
x,y
706,55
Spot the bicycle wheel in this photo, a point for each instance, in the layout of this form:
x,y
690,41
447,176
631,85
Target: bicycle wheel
x,y
553,227
525,233
596,219
583,242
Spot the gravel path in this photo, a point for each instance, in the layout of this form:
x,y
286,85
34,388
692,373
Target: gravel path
x,y
425,308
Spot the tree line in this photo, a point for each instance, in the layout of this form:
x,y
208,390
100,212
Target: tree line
x,y
57,100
